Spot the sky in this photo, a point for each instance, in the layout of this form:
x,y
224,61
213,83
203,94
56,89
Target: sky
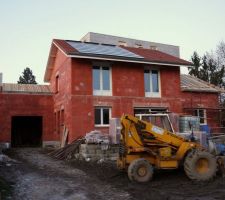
x,y
27,27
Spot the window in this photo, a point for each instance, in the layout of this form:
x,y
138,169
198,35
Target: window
x,y
156,116
102,81
149,110
153,47
122,43
102,116
201,113
57,84
152,83
58,122
138,45
62,117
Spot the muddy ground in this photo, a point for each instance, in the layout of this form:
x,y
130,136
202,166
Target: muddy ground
x,y
37,176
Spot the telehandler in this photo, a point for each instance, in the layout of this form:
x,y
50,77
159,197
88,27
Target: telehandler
x,y
145,147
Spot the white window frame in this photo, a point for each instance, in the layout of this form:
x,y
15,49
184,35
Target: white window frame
x,y
153,94
204,117
101,115
102,92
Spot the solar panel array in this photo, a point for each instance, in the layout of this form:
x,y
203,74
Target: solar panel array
x,y
101,49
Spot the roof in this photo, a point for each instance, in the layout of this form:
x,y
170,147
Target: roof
x,y
25,88
103,49
193,84
158,56
108,52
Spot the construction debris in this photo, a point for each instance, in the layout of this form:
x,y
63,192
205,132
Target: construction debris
x,y
68,152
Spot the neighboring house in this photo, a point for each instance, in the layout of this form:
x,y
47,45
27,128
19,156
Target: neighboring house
x,y
89,83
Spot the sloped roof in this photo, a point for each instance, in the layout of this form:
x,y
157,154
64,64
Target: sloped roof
x,y
193,84
158,56
108,52
140,54
25,88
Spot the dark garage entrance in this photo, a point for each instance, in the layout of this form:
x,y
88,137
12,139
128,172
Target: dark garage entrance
x,y
26,131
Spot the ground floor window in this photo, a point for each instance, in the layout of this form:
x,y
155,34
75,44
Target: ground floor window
x,y
149,110
102,116
201,113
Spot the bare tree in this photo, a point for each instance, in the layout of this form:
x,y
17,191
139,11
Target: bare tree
x,y
220,51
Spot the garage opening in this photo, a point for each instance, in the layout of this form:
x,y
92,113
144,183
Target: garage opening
x,y
26,131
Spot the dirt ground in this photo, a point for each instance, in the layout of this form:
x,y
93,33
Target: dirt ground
x,y
37,176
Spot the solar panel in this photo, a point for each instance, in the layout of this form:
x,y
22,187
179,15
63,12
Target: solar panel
x,y
99,49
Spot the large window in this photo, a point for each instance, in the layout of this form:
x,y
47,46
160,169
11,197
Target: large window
x,y
152,83
102,81
102,116
201,113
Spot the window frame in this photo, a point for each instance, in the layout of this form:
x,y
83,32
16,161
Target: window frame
x,y
198,115
102,92
151,93
101,116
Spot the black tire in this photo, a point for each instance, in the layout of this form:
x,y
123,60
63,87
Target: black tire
x,y
200,165
140,170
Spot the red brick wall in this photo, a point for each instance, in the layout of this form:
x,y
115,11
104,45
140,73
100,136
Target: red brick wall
x,y
128,92
26,105
75,94
204,100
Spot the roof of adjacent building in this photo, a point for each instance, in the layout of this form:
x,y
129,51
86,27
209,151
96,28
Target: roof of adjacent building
x,y
88,50
131,42
193,84
25,88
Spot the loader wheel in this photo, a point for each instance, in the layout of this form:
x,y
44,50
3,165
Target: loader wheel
x,y
200,165
140,170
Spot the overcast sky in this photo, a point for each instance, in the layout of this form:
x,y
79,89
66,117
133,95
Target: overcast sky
x,y
27,27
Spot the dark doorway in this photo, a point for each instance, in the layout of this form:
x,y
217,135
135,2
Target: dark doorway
x,y
26,131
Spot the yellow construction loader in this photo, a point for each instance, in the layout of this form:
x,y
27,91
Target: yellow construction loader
x,y
145,147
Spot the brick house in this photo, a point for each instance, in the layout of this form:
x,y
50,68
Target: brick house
x,y
89,83
93,82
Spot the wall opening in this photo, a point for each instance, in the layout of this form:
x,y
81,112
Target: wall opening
x,y
26,131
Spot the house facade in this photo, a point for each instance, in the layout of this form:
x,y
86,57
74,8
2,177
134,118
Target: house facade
x,y
89,83
92,83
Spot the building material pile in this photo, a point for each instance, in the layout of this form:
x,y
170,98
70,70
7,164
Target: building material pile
x,y
67,152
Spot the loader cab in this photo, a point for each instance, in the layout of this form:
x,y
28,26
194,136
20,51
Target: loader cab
x,y
160,120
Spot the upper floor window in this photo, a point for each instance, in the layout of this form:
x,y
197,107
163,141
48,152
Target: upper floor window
x,y
122,43
57,84
102,81
152,83
201,113
137,45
